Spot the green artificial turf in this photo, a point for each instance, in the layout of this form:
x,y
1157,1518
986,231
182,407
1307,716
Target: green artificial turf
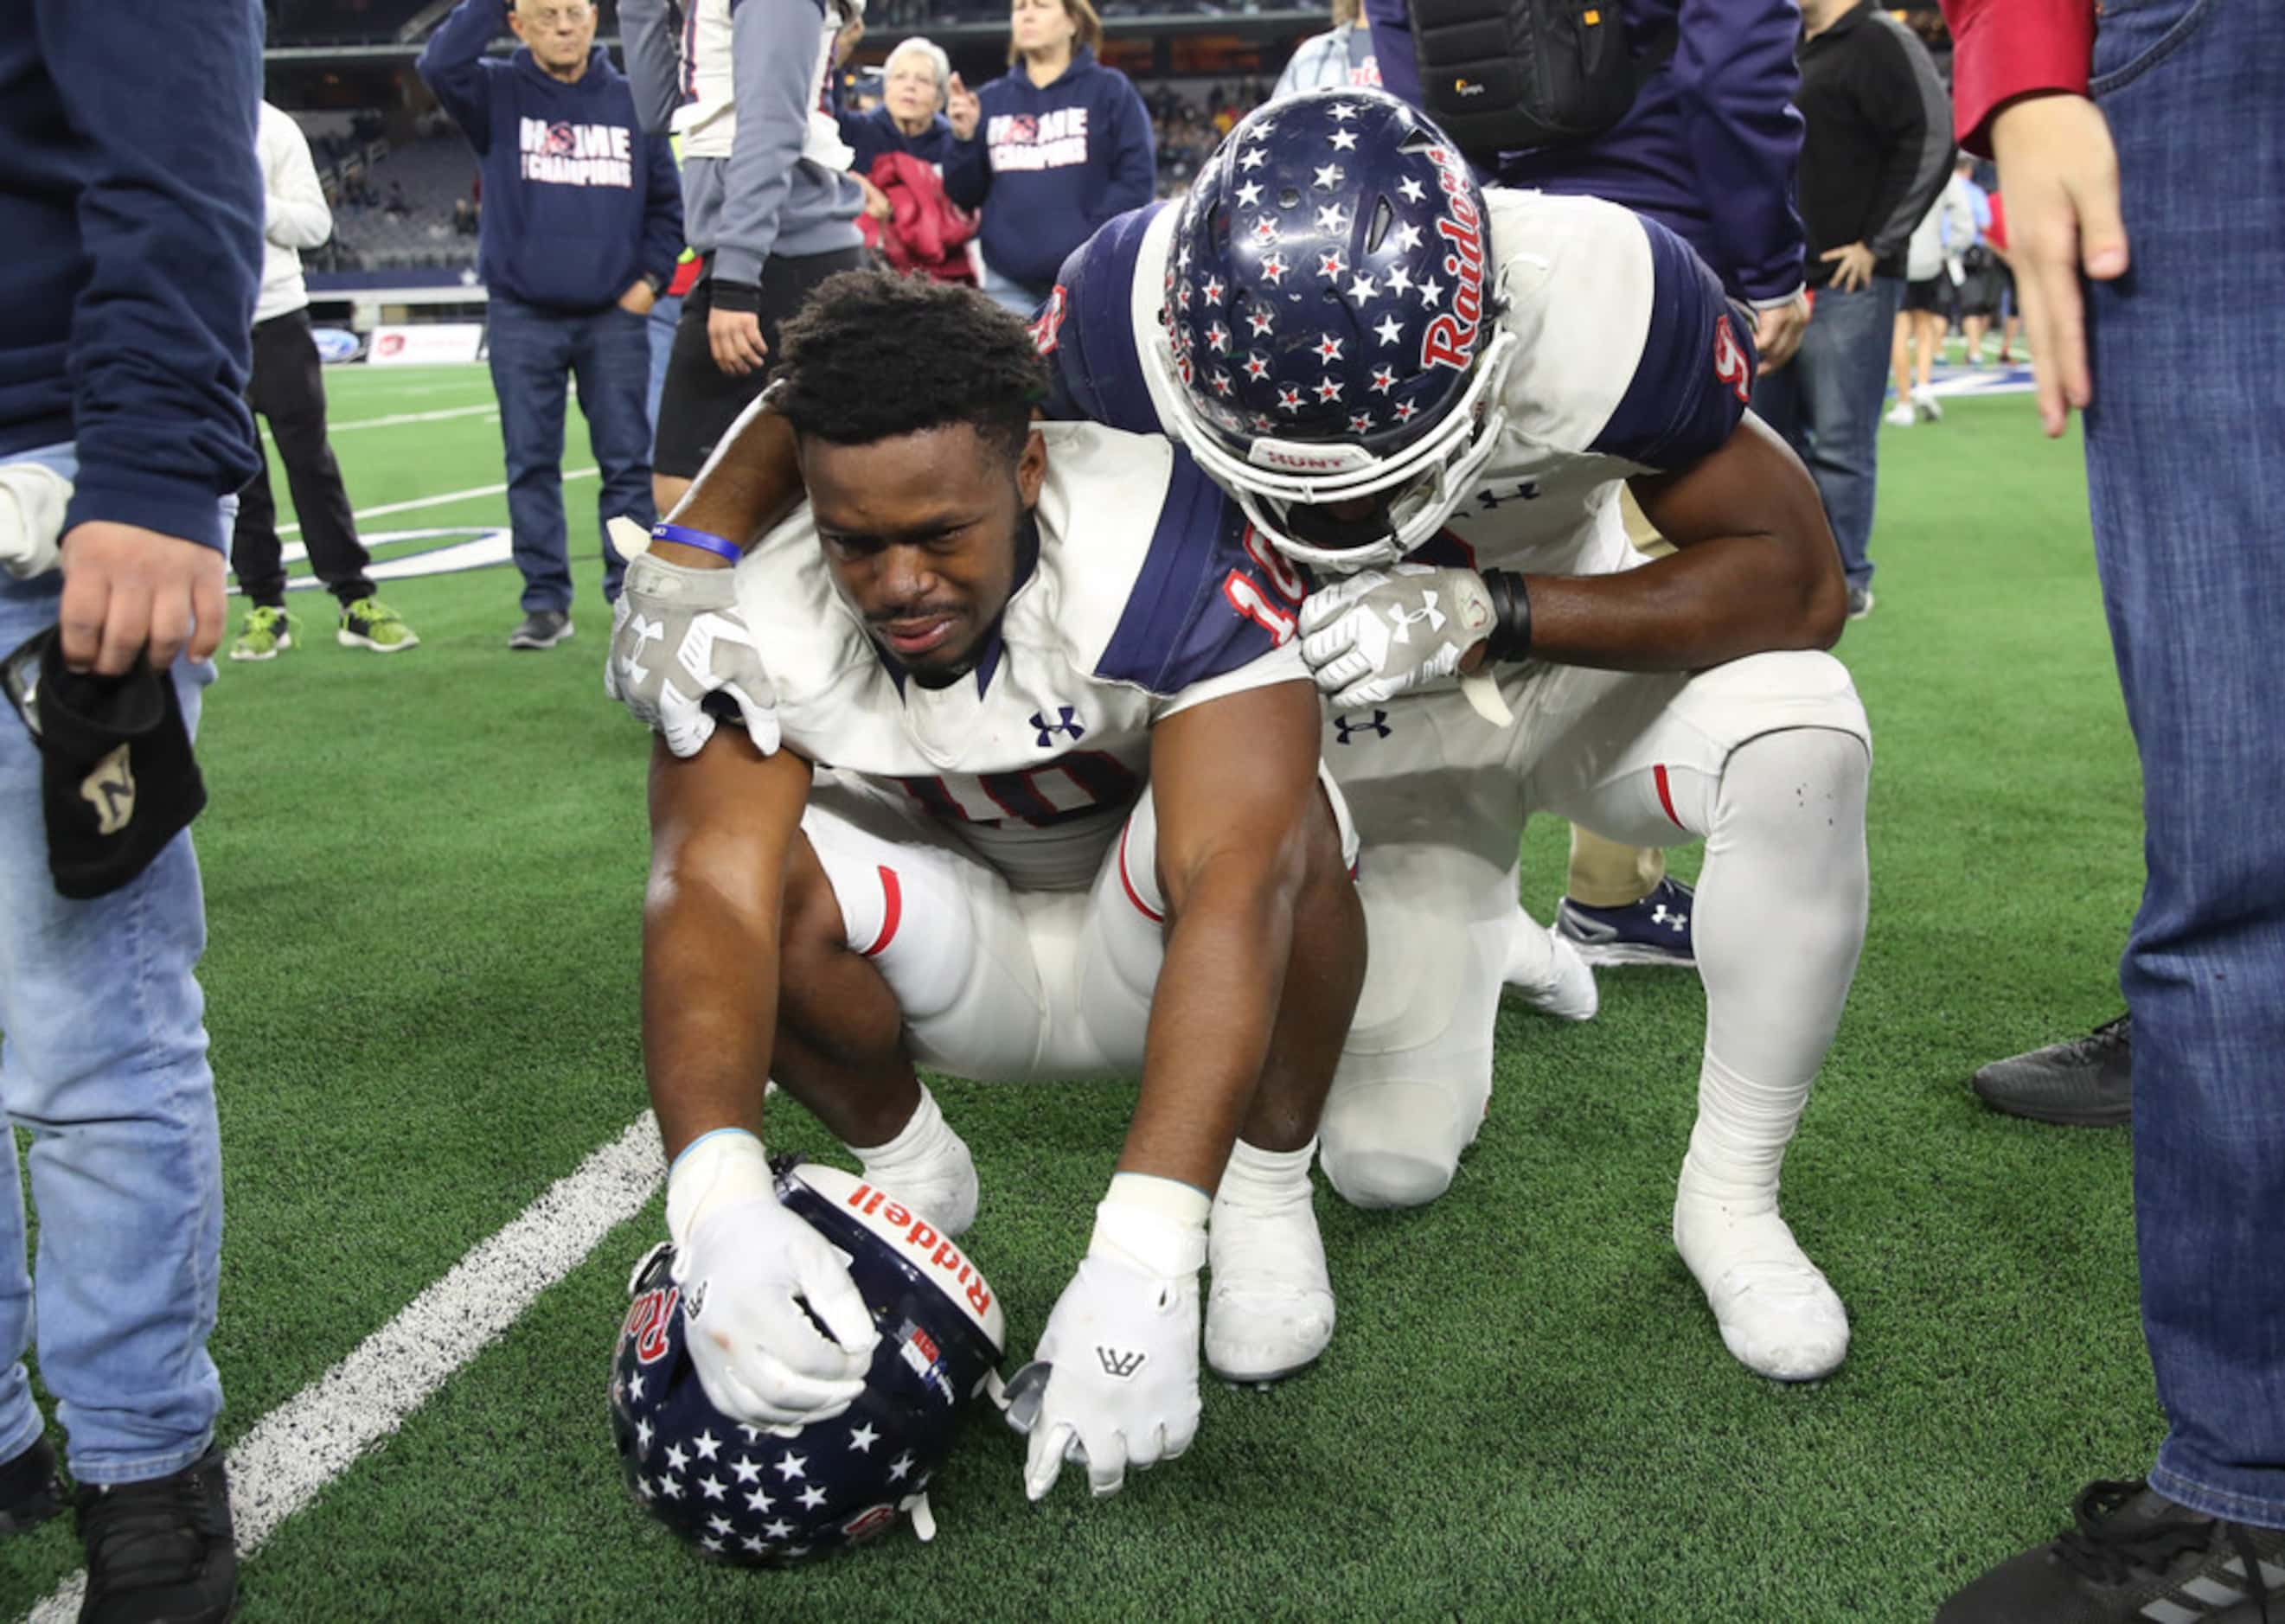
x,y
423,878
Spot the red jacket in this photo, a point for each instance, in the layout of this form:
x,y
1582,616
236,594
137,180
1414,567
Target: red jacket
x,y
2004,49
925,235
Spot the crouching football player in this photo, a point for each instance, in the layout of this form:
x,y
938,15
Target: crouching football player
x,y
1028,789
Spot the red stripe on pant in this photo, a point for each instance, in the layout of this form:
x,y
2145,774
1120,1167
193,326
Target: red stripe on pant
x,y
893,895
1666,795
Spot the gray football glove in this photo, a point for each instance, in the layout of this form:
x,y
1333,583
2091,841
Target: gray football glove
x,y
1382,632
676,637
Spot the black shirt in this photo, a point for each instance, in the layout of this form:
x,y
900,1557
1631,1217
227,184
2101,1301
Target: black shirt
x,y
1878,146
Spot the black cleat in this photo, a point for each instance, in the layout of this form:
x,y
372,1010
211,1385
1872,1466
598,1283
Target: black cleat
x,y
2136,1558
160,1552
30,1493
2087,1082
540,629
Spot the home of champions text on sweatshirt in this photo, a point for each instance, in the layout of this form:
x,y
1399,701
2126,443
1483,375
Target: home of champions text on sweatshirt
x,y
1065,157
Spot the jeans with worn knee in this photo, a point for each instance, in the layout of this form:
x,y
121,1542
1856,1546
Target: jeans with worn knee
x,y
103,1062
1827,404
2185,477
534,351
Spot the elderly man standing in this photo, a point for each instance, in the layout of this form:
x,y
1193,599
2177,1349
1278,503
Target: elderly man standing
x,y
582,224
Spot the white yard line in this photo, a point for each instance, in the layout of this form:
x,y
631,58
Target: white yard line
x,y
318,1434
394,418
436,501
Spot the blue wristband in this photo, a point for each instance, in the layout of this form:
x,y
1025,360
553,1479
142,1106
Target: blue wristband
x,y
705,541
703,1138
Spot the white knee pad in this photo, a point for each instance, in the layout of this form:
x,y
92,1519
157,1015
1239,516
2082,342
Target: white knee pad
x,y
1397,1144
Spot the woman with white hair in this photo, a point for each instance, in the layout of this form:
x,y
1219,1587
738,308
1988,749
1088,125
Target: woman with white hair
x,y
928,113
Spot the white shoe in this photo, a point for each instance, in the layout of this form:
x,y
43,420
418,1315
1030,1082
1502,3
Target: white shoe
x,y
1270,1311
1928,408
1779,1314
1901,416
1570,993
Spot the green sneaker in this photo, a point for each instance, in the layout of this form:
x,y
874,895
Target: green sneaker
x,y
267,633
369,624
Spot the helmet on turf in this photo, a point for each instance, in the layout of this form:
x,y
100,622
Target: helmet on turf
x,y
765,1495
1332,308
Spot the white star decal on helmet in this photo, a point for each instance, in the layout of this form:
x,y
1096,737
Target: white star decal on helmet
x,y
1254,158
1406,411
1264,127
1329,389
1328,218
1343,140
1214,290
1259,320
1362,288
1400,279
1359,422
1388,331
1256,364
1289,398
1221,384
1328,177
1341,112
1218,337
1384,378
1331,264
1248,195
1430,293
1412,190
1329,348
1273,266
1265,230
1408,236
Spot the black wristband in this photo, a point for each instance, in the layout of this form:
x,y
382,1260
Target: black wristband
x,y
1510,634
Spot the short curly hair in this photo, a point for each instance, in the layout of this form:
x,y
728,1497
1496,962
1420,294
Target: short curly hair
x,y
874,357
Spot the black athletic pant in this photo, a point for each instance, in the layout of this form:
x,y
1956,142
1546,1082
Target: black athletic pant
x,y
289,391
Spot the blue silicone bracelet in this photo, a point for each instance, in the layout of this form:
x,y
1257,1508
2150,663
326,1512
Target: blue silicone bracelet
x,y
705,541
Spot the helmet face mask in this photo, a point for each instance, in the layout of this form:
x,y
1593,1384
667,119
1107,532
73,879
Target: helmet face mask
x,y
761,1496
1331,309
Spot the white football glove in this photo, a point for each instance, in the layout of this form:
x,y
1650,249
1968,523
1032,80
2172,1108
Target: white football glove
x,y
1382,632
676,637
746,1267
1122,1348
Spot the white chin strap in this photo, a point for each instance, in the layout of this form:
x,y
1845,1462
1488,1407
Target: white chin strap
x,y
1442,469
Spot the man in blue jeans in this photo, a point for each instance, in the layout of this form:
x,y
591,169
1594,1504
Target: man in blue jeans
x,y
132,206
581,222
1876,149
2181,224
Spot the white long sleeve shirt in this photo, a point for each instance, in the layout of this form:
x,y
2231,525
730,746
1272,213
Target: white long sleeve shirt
x,y
294,215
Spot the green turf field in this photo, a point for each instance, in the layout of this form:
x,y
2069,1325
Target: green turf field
x,y
423,877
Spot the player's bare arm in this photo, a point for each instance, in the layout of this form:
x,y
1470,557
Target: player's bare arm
x,y
1753,570
1242,831
721,824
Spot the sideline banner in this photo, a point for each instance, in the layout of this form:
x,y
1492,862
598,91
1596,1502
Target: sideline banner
x,y
426,343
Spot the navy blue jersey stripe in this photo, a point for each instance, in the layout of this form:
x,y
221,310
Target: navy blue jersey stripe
x,y
1697,368
1087,331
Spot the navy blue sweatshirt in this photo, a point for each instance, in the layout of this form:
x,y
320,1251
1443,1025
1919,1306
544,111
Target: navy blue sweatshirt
x,y
965,166
131,204
1709,149
1065,157
579,202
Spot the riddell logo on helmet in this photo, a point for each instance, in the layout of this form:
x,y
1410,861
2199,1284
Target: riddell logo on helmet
x,y
928,1247
1292,459
647,1320
1451,338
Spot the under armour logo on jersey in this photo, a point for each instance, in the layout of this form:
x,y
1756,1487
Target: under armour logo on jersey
x,y
1377,725
1068,724
110,789
1526,490
1120,1364
1405,620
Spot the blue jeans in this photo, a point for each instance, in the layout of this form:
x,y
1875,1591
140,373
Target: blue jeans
x,y
1827,404
2186,470
608,352
104,1061
663,318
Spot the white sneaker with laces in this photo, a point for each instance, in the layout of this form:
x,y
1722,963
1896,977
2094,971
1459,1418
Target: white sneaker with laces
x,y
1901,416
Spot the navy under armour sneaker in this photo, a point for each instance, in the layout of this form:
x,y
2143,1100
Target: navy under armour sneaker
x,y
1655,930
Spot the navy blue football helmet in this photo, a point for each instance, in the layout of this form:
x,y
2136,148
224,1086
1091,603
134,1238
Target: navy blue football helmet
x,y
762,1496
1331,301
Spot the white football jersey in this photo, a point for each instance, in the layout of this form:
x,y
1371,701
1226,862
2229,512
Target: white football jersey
x,y
1629,362
1150,594
707,122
